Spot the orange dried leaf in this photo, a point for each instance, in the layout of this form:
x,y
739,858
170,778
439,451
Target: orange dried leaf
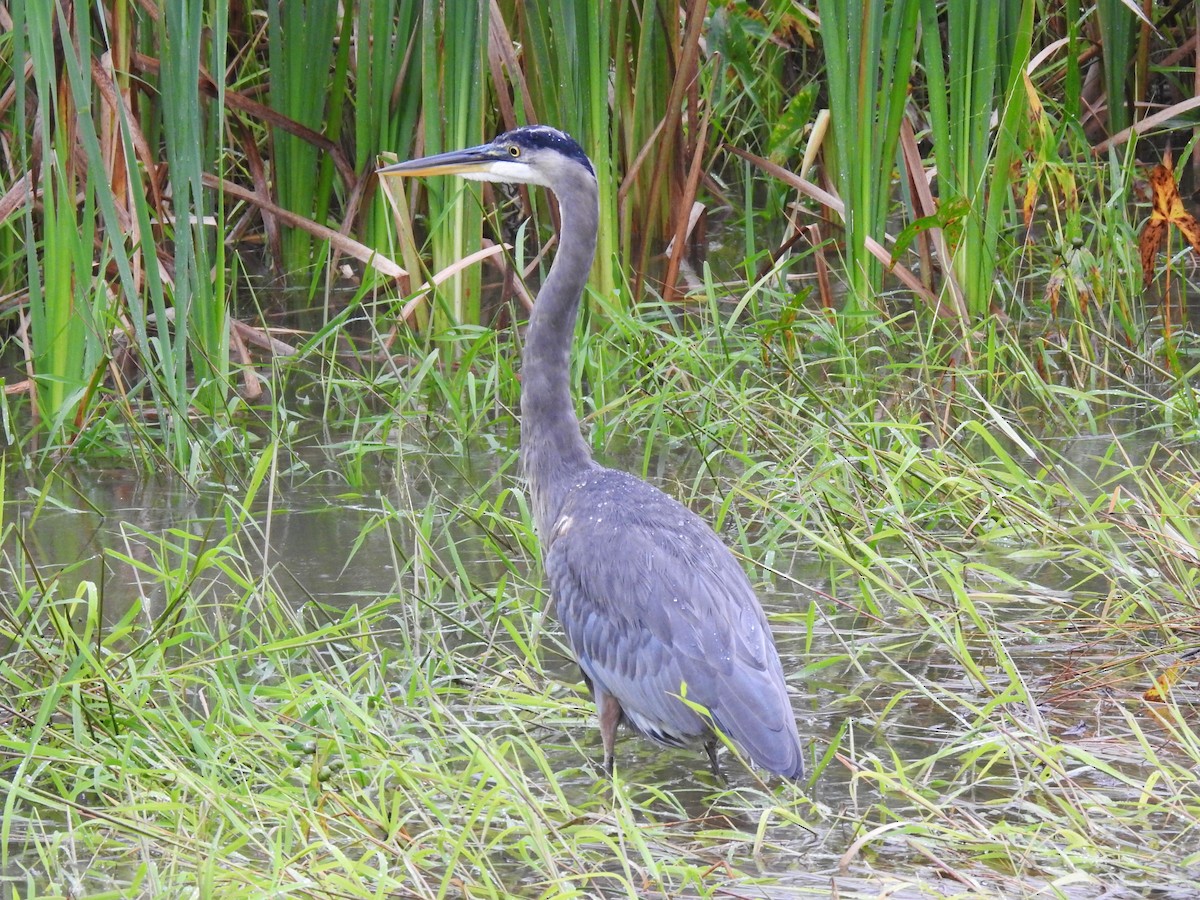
x,y
1164,682
1031,195
1191,230
1168,210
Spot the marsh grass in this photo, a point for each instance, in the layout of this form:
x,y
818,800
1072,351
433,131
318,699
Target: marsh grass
x,y
970,604
979,549
175,182
400,745
977,75
300,38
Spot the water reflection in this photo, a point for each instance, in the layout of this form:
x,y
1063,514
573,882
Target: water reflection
x,y
103,524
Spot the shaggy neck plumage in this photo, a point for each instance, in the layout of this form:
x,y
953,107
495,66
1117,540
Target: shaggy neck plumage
x,y
553,453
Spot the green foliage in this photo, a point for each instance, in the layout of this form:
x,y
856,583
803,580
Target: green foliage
x,y
1118,27
63,327
971,79
979,548
453,43
955,585
301,46
384,119
869,49
61,321
198,347
146,209
762,95
81,320
568,83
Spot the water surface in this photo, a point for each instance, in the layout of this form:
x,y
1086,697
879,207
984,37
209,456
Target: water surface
x,y
876,684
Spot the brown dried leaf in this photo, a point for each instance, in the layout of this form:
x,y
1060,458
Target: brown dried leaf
x,y
1190,228
1148,247
1168,210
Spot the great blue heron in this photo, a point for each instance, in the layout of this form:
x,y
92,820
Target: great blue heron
x,y
654,605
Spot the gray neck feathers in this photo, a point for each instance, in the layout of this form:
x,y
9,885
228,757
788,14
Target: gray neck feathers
x,y
553,453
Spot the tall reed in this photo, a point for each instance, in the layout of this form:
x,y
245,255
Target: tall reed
x,y
387,95
64,326
869,50
453,43
301,41
95,249
123,127
977,74
566,81
61,328
1117,27
200,325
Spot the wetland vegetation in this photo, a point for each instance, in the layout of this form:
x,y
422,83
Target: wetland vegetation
x,y
271,619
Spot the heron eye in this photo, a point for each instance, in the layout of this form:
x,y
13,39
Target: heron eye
x,y
514,151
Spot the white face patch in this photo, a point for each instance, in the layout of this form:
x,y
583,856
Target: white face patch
x,y
509,172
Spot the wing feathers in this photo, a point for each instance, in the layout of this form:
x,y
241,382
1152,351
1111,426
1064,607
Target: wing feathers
x,y
651,600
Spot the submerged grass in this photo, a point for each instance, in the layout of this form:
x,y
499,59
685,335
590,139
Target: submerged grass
x,y
975,574
333,752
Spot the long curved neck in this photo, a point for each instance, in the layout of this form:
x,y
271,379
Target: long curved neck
x,y
552,451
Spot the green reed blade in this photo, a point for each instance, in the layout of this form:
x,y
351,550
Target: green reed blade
x,y
301,46
1118,27
454,43
869,50
200,329
64,335
978,73
387,96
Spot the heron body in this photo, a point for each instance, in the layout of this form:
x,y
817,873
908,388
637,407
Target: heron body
x,y
655,607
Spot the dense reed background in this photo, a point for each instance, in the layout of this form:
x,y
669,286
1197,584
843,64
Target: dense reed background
x,y
143,199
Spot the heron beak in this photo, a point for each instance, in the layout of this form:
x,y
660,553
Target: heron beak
x,y
472,161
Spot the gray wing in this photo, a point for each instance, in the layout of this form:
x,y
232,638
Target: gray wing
x,y
653,604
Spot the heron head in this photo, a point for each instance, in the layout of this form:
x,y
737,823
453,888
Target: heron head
x,y
534,154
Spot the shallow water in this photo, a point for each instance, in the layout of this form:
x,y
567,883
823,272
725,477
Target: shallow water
x,y
856,673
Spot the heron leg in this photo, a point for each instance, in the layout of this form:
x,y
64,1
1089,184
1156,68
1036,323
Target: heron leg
x,y
710,747
610,718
